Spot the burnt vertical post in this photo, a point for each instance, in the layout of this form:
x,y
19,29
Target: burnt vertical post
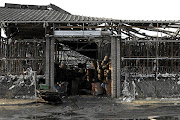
x,y
0,31
35,84
47,73
157,51
148,67
118,65
52,47
172,67
113,67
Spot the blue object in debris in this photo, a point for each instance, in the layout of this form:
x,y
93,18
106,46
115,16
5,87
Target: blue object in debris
x,y
58,87
103,85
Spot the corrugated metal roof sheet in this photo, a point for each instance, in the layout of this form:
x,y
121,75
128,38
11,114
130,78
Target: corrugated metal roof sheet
x,y
55,15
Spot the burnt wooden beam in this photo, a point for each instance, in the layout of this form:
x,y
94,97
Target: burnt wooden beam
x,y
129,28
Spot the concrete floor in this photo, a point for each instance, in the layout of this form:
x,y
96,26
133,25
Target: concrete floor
x,y
91,108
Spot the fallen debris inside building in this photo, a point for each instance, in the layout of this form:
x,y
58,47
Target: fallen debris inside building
x,y
46,45
99,68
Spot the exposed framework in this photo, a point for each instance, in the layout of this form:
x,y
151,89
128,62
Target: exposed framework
x,y
156,53
139,48
148,50
139,52
17,55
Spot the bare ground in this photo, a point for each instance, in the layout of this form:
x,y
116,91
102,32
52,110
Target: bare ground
x,y
91,108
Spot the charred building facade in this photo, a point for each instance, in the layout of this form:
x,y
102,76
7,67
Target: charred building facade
x,y
142,56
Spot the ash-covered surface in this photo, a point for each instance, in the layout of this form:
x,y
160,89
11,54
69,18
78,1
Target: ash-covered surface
x,y
18,86
149,87
94,108
16,89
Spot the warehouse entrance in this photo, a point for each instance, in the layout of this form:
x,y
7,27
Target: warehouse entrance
x,y
82,61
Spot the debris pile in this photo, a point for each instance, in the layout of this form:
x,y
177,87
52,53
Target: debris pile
x,y
18,86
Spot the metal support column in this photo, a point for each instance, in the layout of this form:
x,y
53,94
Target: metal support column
x,y
118,66
113,67
47,73
52,64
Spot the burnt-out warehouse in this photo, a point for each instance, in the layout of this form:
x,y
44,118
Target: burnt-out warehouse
x,y
47,53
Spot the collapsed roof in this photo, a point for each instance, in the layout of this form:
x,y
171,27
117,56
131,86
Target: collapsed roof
x,y
18,13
